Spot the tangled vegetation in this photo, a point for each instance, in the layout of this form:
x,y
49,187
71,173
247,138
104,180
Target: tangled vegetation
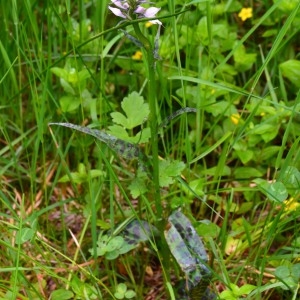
x,y
149,150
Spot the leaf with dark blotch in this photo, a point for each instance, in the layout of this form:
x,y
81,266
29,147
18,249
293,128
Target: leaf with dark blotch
x,y
121,147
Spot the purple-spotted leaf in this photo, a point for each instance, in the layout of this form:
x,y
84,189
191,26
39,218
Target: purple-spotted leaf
x,y
121,147
189,252
179,249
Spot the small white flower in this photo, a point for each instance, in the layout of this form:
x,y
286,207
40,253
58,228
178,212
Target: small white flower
x,y
156,22
123,7
117,12
148,13
140,10
120,4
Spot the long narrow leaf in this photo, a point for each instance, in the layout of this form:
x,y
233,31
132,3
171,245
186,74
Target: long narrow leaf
x,y
121,147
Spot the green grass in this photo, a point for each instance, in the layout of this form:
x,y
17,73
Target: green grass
x,y
240,185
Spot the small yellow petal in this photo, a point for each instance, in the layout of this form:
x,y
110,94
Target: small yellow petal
x,y
235,118
148,24
137,55
245,13
291,204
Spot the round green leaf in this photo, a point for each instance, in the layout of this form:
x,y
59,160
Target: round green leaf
x,y
114,243
112,255
276,191
130,294
119,295
69,103
61,294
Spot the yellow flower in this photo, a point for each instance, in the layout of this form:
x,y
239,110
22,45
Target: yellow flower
x,y
291,204
137,55
235,118
245,13
148,24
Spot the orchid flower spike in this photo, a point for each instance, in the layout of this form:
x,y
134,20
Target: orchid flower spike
x,y
126,9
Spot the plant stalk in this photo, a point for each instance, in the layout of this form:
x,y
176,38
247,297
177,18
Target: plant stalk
x,y
153,115
160,223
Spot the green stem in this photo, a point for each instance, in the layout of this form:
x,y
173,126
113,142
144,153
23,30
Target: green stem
x,y
153,115
165,257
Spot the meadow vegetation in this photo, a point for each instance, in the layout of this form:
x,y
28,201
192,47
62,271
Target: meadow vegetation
x,y
196,112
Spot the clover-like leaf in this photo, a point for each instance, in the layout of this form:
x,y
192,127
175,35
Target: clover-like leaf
x,y
275,191
291,178
112,255
120,291
100,251
126,247
289,274
130,294
115,243
136,111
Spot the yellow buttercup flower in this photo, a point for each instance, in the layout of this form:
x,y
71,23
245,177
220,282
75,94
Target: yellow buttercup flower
x,y
291,204
245,13
137,55
235,118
